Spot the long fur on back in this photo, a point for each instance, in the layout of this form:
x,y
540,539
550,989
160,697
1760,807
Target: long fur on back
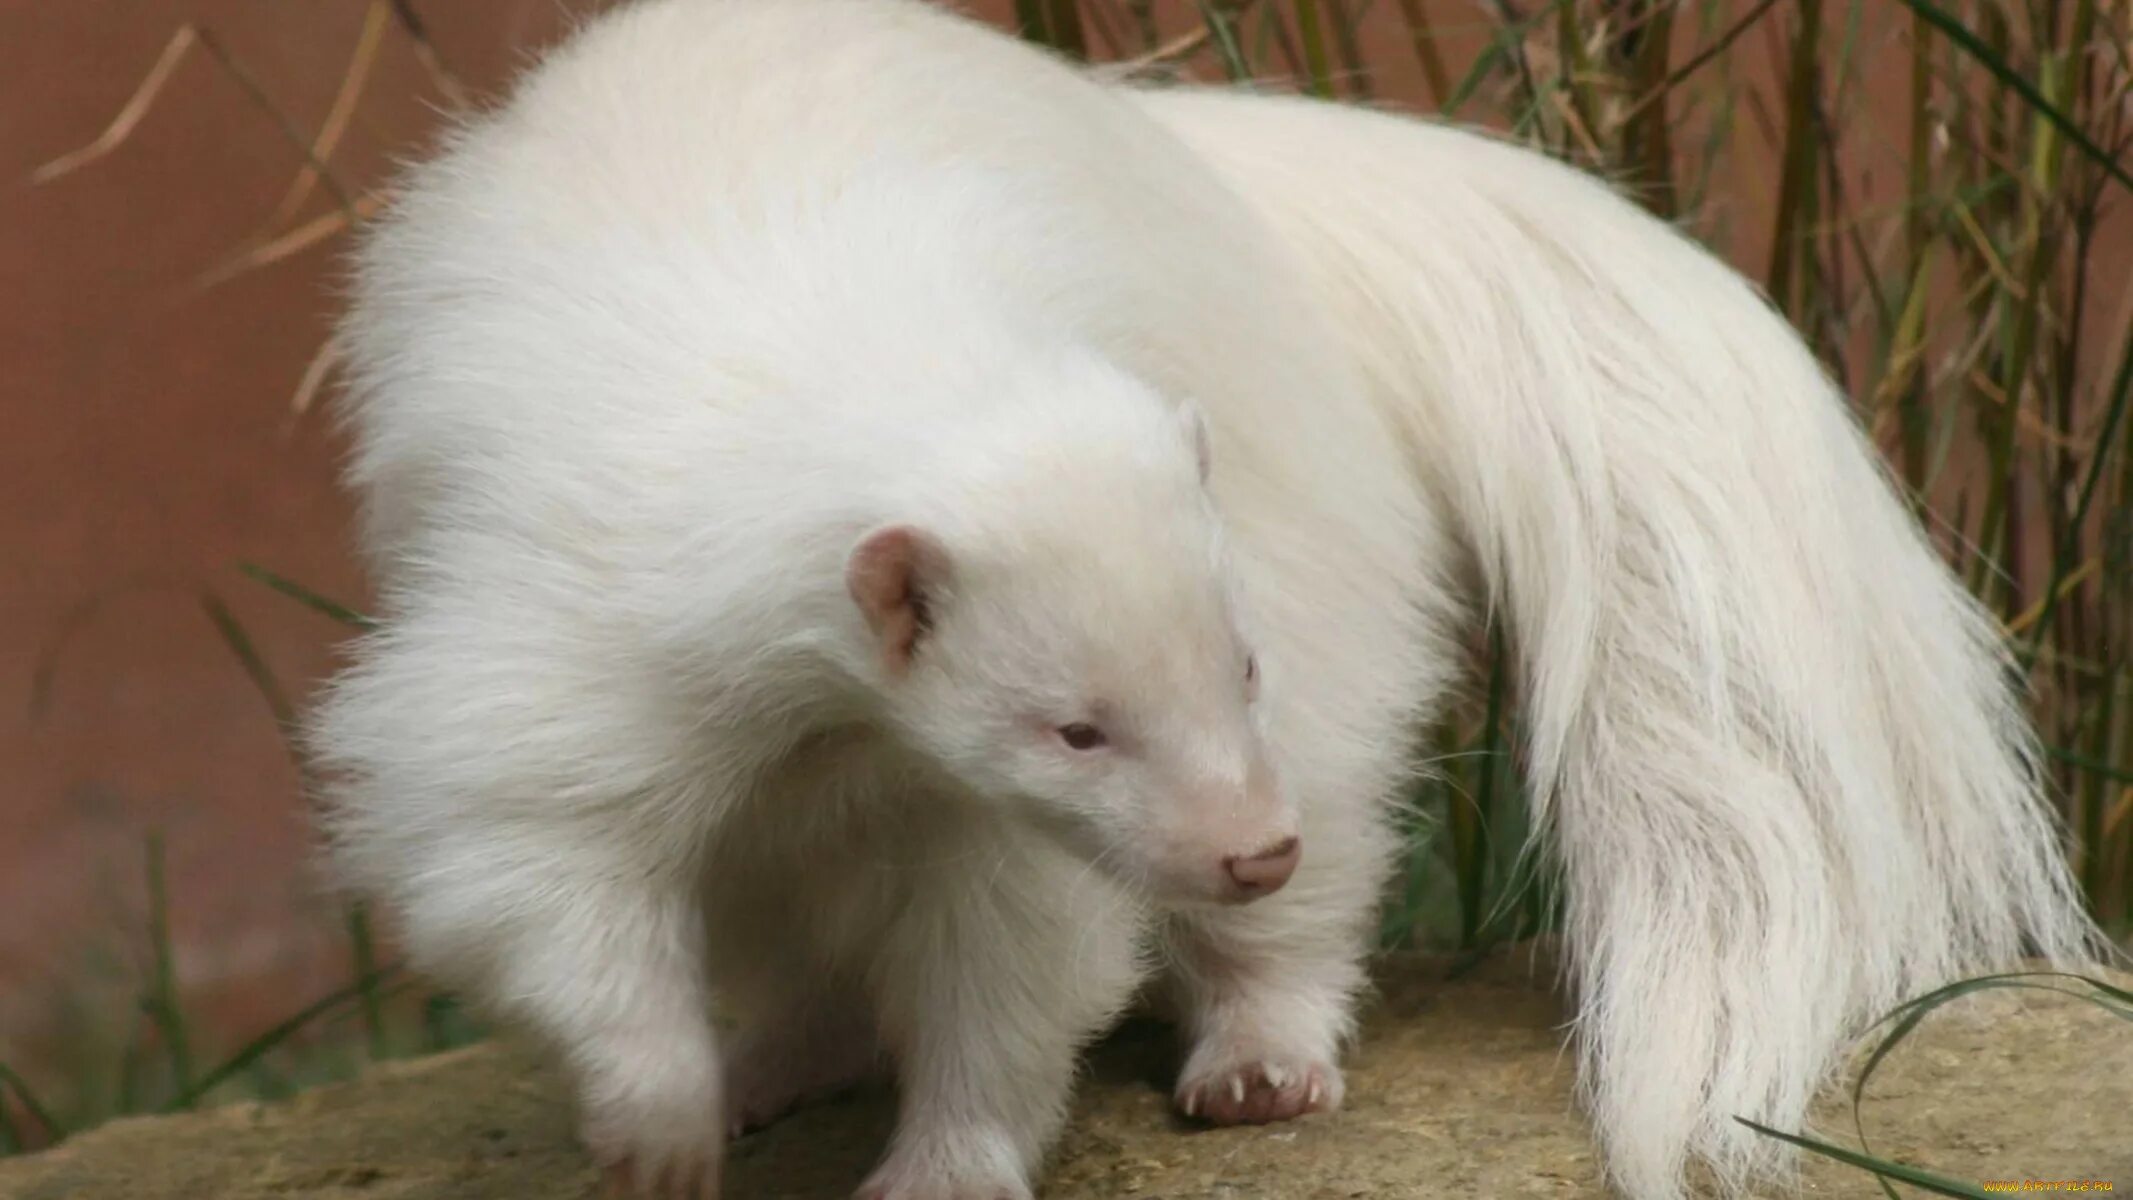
x,y
1773,740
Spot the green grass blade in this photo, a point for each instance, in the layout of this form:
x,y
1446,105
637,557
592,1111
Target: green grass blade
x,y
1500,50
308,598
30,1104
266,1042
1354,67
1962,987
445,1023
131,1053
1144,23
1473,844
1703,57
1423,40
1939,1185
364,949
2064,554
1314,47
1905,1018
2093,766
1791,278
162,999
1234,63
1054,23
255,667
1960,34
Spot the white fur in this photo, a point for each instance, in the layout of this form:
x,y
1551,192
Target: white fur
x,y
731,286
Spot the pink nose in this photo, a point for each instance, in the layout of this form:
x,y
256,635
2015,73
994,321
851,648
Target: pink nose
x,y
1263,873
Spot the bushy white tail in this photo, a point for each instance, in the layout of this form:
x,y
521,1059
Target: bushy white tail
x,y
1773,740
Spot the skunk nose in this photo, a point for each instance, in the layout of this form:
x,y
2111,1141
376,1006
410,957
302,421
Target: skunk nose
x,y
1262,873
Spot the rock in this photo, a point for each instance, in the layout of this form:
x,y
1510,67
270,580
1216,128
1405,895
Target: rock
x,y
1461,1087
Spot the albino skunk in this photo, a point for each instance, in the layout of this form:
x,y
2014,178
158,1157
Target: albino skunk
x,y
887,536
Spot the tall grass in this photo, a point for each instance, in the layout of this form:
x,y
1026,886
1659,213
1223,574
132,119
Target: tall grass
x,y
1933,191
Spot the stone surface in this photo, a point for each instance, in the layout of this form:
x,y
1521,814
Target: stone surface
x,y
1461,1087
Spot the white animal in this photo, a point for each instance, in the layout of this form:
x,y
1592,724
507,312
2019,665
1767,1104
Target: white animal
x,y
885,534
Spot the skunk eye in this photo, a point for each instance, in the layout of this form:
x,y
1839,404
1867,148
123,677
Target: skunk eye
x,y
1082,737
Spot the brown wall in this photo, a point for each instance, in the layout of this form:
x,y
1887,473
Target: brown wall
x,y
146,446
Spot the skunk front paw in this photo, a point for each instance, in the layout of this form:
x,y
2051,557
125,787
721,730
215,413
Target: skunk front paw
x,y
1234,1086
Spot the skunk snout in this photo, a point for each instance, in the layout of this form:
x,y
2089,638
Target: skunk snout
x,y
1263,871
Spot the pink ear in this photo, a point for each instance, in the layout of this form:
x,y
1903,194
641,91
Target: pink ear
x,y
891,574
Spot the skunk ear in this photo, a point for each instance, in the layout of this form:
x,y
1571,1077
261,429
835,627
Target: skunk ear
x,y
1194,422
894,573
